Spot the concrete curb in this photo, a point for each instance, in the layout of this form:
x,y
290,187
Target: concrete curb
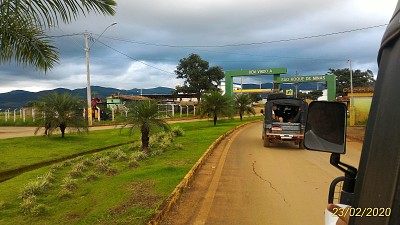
x,y
173,198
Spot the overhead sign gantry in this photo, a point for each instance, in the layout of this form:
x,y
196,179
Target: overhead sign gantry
x,y
276,72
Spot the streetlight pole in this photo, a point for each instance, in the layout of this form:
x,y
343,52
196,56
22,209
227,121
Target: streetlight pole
x,y
88,89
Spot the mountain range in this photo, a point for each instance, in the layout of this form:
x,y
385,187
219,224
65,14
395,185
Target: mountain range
x,y
19,98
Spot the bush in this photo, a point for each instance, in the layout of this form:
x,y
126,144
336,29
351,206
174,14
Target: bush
x,y
92,176
112,171
86,162
156,152
137,145
31,189
138,156
49,177
64,193
179,146
133,163
102,164
28,204
119,155
67,163
69,184
38,209
56,167
96,156
37,187
177,131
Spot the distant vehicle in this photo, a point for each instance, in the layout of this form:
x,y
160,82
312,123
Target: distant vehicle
x,y
290,128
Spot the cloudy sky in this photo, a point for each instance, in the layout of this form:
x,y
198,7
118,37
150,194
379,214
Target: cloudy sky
x,y
142,51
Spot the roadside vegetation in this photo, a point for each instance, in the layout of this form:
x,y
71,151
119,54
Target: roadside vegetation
x,y
120,185
214,105
60,111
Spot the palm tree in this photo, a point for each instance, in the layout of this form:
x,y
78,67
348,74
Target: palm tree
x,y
242,105
23,24
143,115
215,104
60,111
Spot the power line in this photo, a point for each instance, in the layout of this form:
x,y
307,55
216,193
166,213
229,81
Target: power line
x,y
137,60
65,35
247,44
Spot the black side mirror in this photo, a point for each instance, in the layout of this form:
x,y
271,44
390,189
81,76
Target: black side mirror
x,y
326,127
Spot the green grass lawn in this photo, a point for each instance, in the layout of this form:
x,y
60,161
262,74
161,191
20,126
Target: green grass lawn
x,y
122,194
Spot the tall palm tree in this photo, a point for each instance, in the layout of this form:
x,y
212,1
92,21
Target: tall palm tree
x,y
60,111
215,104
23,24
243,105
144,115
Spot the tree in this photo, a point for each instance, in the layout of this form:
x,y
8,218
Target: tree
x,y
199,77
214,104
243,105
360,79
60,111
143,115
313,95
23,24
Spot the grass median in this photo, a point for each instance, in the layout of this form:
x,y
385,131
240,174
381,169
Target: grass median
x,y
123,194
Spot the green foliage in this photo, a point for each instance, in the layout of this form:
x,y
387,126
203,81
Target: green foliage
x,y
133,163
177,131
138,156
64,193
33,188
69,183
119,155
360,79
214,104
179,146
144,115
243,105
92,176
60,111
38,186
28,204
313,95
92,201
102,164
23,27
198,76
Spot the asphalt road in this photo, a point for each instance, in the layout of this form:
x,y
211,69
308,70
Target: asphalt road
x,y
246,183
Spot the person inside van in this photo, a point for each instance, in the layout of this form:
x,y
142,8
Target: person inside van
x,y
275,117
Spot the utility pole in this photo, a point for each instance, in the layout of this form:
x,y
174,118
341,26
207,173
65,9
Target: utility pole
x,y
88,91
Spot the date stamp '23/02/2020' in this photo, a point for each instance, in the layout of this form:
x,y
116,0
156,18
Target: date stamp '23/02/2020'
x,y
362,212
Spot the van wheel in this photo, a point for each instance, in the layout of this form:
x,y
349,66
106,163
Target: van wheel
x,y
266,142
301,144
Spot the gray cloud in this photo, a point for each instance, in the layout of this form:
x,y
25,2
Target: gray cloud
x,y
148,33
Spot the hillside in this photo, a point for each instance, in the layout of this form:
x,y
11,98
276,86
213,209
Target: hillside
x,y
20,98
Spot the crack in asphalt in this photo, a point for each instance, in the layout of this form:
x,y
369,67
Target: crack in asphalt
x,y
269,182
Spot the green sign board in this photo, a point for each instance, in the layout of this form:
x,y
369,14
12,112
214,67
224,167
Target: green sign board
x,y
256,72
296,79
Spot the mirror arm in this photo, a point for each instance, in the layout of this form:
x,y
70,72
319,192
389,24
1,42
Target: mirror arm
x,y
349,171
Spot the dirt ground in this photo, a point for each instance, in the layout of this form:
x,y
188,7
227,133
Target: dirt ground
x,y
245,183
